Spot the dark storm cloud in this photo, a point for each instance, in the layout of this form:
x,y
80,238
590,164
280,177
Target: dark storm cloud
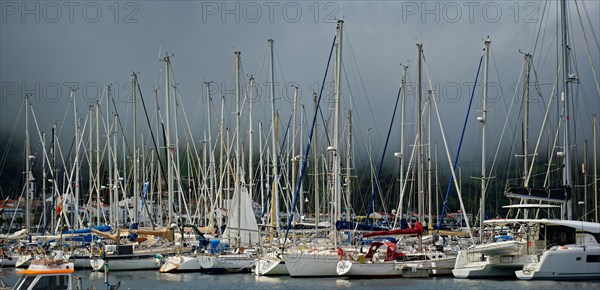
x,y
48,47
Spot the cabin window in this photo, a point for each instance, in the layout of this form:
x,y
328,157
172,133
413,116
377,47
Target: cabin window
x,y
592,258
24,282
578,259
596,236
52,282
558,235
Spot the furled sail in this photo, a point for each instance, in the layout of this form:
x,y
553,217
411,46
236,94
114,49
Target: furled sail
x,y
248,228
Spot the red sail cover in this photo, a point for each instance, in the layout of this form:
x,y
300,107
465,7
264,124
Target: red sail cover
x,y
416,230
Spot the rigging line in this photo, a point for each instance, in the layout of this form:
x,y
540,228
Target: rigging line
x,y
442,131
540,28
152,133
279,150
200,101
361,82
279,65
543,126
10,139
62,124
120,125
325,123
588,50
47,159
307,151
492,169
353,104
546,19
187,133
387,140
462,135
590,24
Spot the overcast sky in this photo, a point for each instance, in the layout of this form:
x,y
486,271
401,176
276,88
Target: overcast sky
x,y
46,46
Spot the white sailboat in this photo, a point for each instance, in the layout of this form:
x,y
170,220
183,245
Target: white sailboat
x,y
572,249
575,255
322,261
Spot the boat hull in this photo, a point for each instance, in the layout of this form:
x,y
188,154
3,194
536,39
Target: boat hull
x,y
181,263
270,267
370,270
127,263
10,261
315,264
471,265
564,263
228,262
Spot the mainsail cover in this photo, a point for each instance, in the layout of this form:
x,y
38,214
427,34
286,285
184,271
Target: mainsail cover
x,y
549,194
248,228
416,230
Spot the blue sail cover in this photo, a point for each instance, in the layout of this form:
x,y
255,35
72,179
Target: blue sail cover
x,y
84,235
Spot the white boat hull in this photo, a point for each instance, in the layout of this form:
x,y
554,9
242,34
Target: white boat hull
x,y
355,269
270,267
9,261
126,263
315,264
82,262
564,263
228,262
23,261
471,265
181,263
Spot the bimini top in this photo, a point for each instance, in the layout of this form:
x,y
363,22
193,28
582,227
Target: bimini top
x,y
580,225
45,271
531,206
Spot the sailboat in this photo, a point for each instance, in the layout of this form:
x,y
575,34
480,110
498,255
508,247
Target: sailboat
x,y
550,249
572,250
385,258
317,260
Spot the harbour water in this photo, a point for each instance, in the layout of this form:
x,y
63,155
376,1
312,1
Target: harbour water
x,y
156,280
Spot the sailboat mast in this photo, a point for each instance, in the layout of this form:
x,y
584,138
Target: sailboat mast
x,y
336,126
238,161
261,172
98,203
316,163
54,176
250,141
274,160
27,169
90,159
44,179
211,156
109,151
76,202
429,166
420,164
301,158
401,155
567,178
595,171
135,157
168,145
483,120
526,119
348,166
293,145
221,164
